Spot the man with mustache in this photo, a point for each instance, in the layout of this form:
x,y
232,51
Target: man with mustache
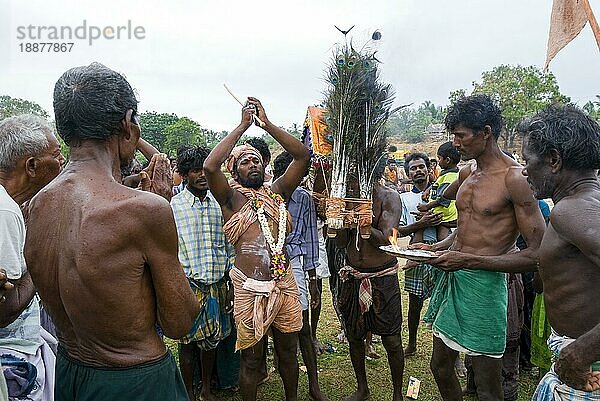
x,y
206,258
561,151
257,223
494,204
418,281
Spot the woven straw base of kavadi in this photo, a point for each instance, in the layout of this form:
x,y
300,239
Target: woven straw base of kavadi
x,y
339,212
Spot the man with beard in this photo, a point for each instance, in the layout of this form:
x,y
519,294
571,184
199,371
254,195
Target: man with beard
x,y
418,278
257,223
494,204
561,150
205,256
105,259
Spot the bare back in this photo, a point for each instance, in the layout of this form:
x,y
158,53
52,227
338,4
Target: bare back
x,y
487,219
99,254
570,264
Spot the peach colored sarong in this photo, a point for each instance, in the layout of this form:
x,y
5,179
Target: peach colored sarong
x,y
260,304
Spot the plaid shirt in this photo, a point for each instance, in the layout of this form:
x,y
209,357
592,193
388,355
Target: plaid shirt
x,y
204,252
303,239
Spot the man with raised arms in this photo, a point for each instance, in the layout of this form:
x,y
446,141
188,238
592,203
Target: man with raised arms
x,y
257,223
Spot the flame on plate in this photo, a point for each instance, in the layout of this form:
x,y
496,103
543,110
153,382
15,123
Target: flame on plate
x,y
394,237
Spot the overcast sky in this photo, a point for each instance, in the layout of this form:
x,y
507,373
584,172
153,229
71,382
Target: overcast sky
x,y
278,51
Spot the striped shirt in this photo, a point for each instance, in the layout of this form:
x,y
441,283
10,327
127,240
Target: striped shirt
x,y
204,253
303,239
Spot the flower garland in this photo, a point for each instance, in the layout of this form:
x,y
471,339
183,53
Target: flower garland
x,y
278,258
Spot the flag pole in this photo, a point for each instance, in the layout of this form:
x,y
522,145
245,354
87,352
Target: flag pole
x,y
592,20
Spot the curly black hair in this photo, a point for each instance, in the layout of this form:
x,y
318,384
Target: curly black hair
x,y
475,112
191,158
415,156
281,163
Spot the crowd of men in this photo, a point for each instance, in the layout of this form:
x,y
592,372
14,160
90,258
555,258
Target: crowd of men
x,y
98,262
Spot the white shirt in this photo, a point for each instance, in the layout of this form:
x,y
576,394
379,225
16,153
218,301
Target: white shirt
x,y
410,200
23,334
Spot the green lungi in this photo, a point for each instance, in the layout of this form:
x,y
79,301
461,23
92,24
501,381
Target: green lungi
x,y
472,312
158,380
541,356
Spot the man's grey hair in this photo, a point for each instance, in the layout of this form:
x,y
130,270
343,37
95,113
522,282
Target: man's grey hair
x,y
21,136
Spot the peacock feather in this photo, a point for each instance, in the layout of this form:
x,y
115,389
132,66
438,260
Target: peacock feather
x,y
357,107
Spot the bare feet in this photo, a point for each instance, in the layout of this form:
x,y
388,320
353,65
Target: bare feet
x,y
207,396
358,396
263,380
341,338
319,348
459,366
410,350
370,352
317,395
468,391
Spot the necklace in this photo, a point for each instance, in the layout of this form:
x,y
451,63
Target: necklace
x,y
278,258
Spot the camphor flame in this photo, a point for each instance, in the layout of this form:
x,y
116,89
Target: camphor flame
x,y
394,237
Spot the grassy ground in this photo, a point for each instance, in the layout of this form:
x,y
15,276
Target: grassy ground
x,y
336,376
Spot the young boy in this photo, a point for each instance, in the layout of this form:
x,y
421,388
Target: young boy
x,y
448,157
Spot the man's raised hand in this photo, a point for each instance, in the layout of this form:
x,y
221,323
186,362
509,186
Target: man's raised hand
x,y
260,110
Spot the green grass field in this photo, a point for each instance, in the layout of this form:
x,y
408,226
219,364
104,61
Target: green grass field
x,y
336,376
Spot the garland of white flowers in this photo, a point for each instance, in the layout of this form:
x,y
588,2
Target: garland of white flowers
x,y
278,260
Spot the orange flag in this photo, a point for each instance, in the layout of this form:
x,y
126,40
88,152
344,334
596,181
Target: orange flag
x,y
567,20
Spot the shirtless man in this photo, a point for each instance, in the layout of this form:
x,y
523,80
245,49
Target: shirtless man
x,y
494,204
255,217
383,314
104,256
561,151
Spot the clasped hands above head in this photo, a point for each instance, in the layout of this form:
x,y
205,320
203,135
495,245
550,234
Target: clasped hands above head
x,y
254,112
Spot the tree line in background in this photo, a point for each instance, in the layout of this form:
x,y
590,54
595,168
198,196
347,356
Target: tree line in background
x,y
520,92
166,131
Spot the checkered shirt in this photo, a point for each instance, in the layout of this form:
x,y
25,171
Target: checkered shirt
x,y
204,253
